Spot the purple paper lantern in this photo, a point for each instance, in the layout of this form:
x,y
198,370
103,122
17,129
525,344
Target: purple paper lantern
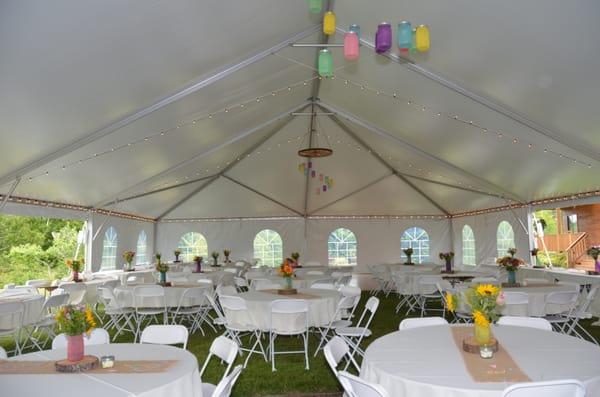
x,y
324,188
383,38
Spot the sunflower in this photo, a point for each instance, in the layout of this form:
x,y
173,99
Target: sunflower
x,y
487,290
89,317
480,319
450,302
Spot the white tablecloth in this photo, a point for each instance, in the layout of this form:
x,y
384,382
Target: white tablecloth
x,y
300,282
33,307
321,307
172,295
426,361
182,379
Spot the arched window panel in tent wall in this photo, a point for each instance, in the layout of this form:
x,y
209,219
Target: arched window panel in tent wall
x,y
109,249
342,248
417,239
192,244
141,254
268,248
505,238
468,246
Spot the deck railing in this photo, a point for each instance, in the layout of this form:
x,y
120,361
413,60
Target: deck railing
x,y
577,249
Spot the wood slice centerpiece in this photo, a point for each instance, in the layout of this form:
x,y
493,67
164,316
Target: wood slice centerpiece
x,y
287,291
86,364
511,285
470,345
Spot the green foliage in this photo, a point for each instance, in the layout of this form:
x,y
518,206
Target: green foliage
x,y
559,259
548,220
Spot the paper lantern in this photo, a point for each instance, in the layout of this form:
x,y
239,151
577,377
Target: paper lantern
x,y
313,173
329,23
383,38
351,47
324,188
413,47
356,29
405,36
315,6
422,38
325,63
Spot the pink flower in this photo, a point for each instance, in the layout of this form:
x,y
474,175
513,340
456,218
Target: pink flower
x,y
500,300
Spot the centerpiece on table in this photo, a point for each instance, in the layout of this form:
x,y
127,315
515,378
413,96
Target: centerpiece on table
x,y
295,259
511,264
215,256
162,269
485,301
198,260
177,252
128,256
76,266
75,321
408,252
447,257
287,272
226,254
534,253
594,252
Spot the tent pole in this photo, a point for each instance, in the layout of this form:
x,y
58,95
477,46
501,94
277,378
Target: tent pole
x,y
10,192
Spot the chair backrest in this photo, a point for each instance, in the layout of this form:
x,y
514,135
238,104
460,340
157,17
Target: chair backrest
x,y
225,349
214,305
14,312
55,301
225,386
531,322
291,315
357,387
144,292
335,350
562,298
240,282
370,308
233,303
98,336
3,355
555,388
226,290
112,284
515,298
410,323
165,335
193,296
231,270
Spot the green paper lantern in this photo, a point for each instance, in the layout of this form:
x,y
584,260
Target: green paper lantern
x,y
325,63
315,6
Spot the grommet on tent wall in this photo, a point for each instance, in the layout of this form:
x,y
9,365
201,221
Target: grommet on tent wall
x,y
422,38
383,38
329,23
405,36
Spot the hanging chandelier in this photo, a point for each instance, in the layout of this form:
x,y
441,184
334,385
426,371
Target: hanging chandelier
x,y
314,149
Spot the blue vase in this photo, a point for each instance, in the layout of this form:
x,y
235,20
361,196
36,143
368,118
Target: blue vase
x,y
163,277
512,277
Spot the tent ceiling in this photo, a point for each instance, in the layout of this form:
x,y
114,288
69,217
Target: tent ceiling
x,y
70,70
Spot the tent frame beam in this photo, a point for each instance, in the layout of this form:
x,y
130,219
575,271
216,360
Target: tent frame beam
x,y
196,85
378,131
482,100
9,193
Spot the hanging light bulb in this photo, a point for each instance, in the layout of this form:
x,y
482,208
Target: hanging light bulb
x,y
422,38
315,6
405,36
356,29
351,47
383,38
329,23
325,63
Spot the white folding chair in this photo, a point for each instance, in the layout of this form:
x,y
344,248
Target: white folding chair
x,y
148,301
3,355
193,308
564,299
427,291
357,387
238,323
241,284
554,388
37,283
356,293
335,351
165,335
410,323
46,320
516,301
220,319
120,317
289,317
353,336
226,350
12,313
345,304
530,322
225,386
76,292
98,336
583,312
225,290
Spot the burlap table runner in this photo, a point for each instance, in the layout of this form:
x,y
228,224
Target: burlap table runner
x,y
294,296
120,367
533,285
500,368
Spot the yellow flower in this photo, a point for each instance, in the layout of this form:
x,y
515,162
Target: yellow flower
x,y
487,290
480,319
450,302
89,316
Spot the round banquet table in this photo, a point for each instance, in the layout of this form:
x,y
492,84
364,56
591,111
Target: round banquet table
x,y
124,295
299,282
33,307
427,362
322,306
181,379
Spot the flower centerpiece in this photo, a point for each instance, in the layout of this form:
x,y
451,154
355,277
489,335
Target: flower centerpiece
x,y
215,256
162,269
287,272
76,266
447,257
177,252
408,252
75,321
594,252
511,264
295,258
226,254
128,256
198,260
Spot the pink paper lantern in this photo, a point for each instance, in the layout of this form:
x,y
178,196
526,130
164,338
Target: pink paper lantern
x,y
351,47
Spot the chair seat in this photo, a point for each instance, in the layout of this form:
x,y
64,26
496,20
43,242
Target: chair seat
x,y
219,321
186,310
208,389
353,331
45,322
150,311
341,324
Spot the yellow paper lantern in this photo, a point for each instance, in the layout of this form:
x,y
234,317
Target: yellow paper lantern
x,y
329,23
422,38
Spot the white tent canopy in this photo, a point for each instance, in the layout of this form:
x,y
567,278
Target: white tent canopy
x,y
182,110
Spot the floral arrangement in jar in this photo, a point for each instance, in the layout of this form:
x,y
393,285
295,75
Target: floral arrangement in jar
x,y
215,256
226,254
295,258
128,256
594,252
198,260
177,252
287,272
75,321
447,257
161,268
534,253
408,252
76,266
511,264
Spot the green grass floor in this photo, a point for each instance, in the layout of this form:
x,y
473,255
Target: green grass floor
x,y
290,377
